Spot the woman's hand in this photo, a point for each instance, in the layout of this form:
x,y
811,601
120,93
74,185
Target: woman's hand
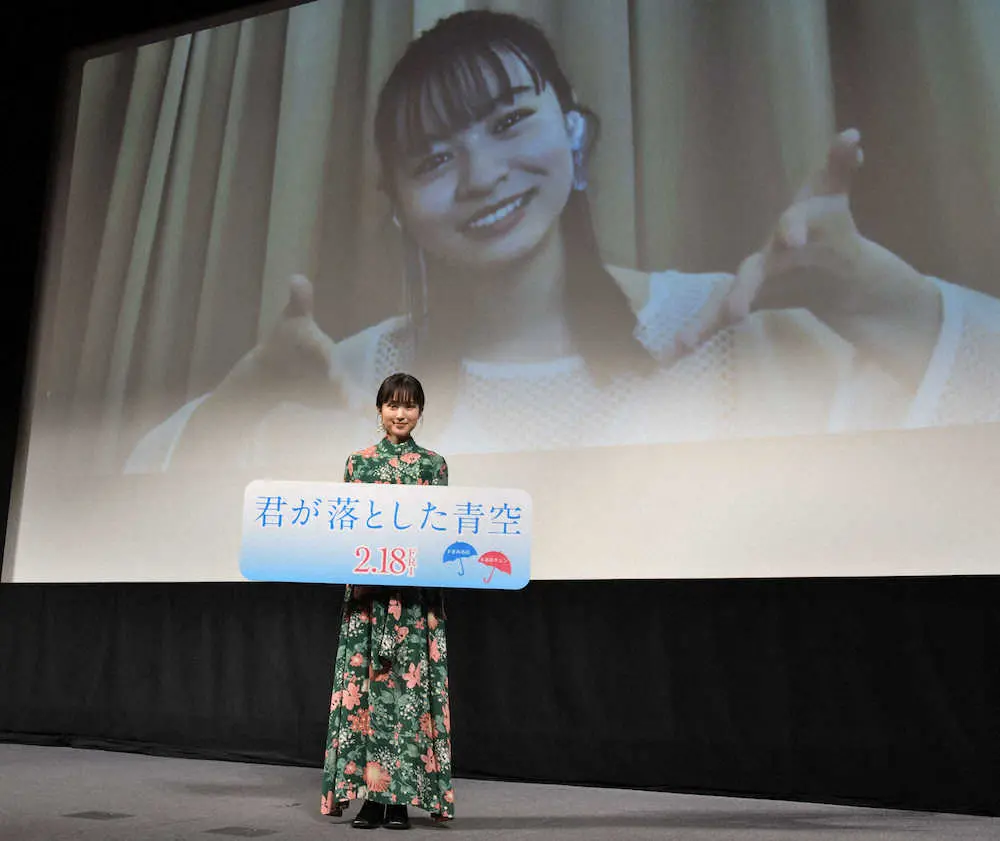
x,y
296,361
817,260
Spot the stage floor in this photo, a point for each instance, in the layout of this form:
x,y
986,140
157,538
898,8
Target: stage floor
x,y
51,794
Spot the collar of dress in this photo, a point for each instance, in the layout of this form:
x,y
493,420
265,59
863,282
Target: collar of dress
x,y
386,448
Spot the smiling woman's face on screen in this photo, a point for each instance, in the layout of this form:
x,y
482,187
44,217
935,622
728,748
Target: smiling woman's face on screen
x,y
493,191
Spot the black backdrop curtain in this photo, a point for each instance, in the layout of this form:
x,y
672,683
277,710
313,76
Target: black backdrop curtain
x,y
853,691
880,692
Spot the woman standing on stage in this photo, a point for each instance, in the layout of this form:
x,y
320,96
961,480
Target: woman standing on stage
x,y
389,737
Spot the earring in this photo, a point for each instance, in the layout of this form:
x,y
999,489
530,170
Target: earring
x,y
414,282
379,426
576,126
579,172
415,287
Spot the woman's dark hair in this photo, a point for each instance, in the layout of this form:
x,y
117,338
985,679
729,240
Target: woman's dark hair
x,y
445,81
401,388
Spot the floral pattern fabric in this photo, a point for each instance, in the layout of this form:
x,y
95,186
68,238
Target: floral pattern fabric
x,y
390,722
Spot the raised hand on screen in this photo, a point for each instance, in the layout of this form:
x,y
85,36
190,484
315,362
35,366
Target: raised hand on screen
x,y
816,231
296,361
816,259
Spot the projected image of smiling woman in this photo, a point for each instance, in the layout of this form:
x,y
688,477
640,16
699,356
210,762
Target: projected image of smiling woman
x,y
483,150
492,193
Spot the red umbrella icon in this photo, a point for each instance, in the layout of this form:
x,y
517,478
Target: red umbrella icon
x,y
495,561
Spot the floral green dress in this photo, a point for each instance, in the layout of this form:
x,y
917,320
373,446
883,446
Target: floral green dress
x,y
390,723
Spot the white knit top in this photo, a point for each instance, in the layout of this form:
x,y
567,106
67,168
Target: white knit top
x,y
775,373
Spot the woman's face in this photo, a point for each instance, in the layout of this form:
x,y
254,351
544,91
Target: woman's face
x,y
399,417
494,191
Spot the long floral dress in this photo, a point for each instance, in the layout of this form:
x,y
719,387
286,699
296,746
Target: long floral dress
x,y
390,722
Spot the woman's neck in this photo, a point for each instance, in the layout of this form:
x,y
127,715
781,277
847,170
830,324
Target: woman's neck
x,y
519,311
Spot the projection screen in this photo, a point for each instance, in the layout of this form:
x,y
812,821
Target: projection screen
x,y
711,331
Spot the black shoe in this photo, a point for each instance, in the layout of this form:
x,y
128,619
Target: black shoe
x,y
371,816
396,818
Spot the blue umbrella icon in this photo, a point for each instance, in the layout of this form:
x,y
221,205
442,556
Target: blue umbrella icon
x,y
459,552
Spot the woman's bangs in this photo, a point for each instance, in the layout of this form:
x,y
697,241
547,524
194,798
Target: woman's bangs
x,y
457,88
404,395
